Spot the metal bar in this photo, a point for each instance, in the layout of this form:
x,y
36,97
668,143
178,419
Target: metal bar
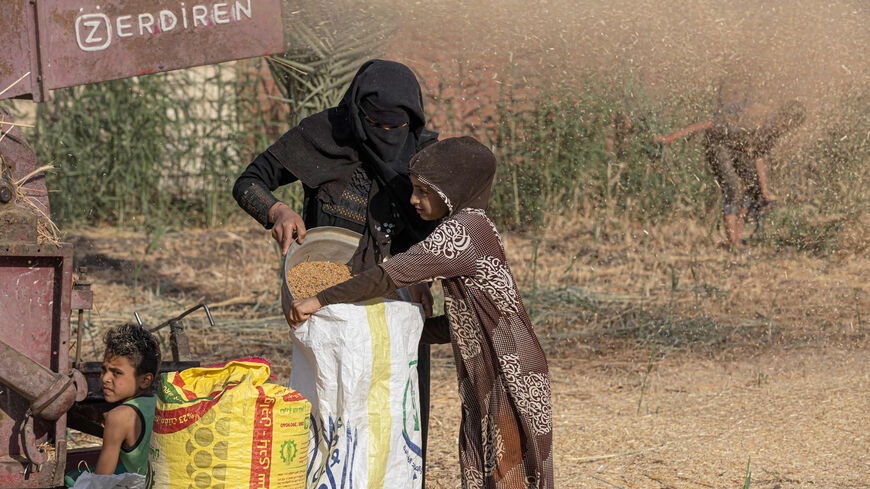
x,y
40,94
65,43
35,300
78,361
51,393
181,316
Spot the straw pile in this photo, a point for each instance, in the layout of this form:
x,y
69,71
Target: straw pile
x,y
47,230
307,279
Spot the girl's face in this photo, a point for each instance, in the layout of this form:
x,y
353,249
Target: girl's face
x,y
119,379
427,202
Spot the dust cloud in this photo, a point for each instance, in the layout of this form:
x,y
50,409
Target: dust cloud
x,y
807,49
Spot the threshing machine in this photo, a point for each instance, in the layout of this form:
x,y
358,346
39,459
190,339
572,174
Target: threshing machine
x,y
50,44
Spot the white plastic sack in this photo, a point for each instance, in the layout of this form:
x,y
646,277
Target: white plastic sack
x,y
357,365
88,480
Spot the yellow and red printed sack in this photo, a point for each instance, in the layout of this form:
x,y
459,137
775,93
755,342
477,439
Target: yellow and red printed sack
x,y
224,427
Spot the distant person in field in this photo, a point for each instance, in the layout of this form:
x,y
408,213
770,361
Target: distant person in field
x,y
737,141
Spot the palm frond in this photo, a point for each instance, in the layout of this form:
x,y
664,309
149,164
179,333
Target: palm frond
x,y
325,53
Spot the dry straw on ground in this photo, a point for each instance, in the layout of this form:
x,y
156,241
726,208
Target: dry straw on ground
x,y
758,354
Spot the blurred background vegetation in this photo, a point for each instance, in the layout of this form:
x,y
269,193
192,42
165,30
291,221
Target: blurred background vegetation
x,y
164,150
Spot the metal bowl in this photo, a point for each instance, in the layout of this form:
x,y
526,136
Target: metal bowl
x,y
325,243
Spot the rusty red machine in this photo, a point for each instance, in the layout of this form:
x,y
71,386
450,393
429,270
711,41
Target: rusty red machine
x,y
50,44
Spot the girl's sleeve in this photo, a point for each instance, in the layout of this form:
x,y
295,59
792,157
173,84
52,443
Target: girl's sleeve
x,y
447,253
372,283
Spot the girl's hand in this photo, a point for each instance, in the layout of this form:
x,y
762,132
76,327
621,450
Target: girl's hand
x,y
421,294
300,310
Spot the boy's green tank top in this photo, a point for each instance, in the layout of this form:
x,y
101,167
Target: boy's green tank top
x,y
135,459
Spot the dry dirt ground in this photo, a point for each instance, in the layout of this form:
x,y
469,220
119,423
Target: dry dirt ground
x,y
674,363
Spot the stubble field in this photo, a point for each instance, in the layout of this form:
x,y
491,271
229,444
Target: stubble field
x,y
674,363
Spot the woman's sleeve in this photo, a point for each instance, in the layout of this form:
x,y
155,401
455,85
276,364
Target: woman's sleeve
x,y
436,331
447,253
253,188
372,283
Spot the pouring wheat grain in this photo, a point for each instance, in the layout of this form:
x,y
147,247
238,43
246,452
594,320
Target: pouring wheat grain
x,y
307,279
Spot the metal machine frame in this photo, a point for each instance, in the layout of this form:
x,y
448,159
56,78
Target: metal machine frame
x,y
51,44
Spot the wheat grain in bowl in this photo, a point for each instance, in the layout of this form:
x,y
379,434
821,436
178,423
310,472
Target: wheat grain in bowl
x,y
307,279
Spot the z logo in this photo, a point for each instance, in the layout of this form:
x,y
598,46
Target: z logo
x,y
93,32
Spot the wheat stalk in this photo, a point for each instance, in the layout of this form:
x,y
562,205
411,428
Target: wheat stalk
x,y
15,83
46,230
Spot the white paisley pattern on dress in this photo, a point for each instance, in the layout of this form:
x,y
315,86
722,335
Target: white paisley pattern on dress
x,y
494,277
533,484
493,444
448,239
464,327
532,393
472,478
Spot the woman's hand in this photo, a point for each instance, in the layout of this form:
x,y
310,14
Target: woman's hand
x,y
300,310
286,226
421,294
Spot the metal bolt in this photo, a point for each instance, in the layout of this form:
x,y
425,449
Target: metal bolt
x,y
6,194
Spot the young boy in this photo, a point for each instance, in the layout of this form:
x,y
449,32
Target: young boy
x,y
506,435
130,365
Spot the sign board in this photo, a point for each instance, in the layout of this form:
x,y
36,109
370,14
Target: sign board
x,y
87,41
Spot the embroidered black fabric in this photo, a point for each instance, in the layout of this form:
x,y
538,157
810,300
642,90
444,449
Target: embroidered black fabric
x,y
252,189
256,200
354,199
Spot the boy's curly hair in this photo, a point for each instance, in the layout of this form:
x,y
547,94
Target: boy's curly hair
x,y
137,345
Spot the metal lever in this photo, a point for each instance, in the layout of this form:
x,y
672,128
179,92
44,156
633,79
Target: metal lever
x,y
34,454
177,337
181,316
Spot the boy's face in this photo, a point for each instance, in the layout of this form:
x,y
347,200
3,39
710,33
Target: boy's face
x,y
427,202
119,380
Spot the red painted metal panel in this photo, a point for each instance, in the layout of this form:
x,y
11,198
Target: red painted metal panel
x,y
15,39
35,289
27,299
86,41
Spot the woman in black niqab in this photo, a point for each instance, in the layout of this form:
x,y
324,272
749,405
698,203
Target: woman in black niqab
x,y
353,162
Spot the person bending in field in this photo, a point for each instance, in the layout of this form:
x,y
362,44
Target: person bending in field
x,y
737,141
506,434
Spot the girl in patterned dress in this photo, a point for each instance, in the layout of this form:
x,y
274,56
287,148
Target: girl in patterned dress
x,y
505,437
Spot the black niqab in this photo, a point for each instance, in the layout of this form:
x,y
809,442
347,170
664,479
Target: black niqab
x,y
325,150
